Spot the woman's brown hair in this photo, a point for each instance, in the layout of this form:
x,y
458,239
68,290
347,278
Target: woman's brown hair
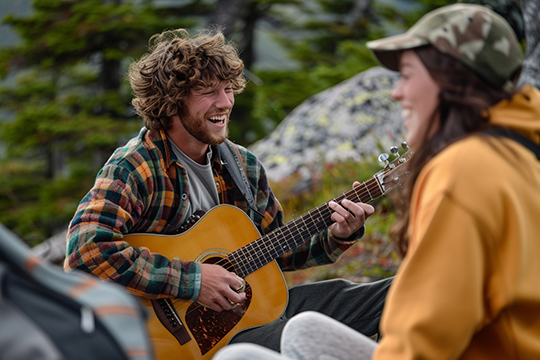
x,y
175,64
464,99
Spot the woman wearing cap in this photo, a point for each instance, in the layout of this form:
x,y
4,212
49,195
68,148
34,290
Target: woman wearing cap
x,y
468,226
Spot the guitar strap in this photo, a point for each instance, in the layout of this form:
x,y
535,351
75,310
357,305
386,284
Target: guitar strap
x,y
529,144
230,159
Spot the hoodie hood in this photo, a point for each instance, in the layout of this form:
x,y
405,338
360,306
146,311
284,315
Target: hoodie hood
x,y
521,113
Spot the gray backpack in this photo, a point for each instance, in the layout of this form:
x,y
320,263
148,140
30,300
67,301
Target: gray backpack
x,y
49,314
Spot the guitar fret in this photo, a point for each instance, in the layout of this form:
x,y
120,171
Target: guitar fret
x,y
303,229
381,190
316,217
265,251
297,227
290,241
311,223
273,243
256,256
355,192
314,221
305,226
248,258
279,230
326,216
240,266
271,247
278,249
371,197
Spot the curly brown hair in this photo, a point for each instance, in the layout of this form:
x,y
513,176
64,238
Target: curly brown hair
x,y
174,65
464,99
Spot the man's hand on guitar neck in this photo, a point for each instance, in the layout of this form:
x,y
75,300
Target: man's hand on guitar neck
x,y
218,288
349,216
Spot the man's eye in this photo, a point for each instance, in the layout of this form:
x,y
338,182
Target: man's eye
x,y
207,92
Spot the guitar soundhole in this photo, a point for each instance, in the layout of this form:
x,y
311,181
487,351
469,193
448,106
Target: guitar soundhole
x,y
208,327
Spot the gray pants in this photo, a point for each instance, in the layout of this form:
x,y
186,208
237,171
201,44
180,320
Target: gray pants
x,y
358,306
308,336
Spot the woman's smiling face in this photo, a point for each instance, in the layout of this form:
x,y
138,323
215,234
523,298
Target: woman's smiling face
x,y
419,97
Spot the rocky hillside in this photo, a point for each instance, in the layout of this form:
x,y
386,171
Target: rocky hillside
x,y
352,120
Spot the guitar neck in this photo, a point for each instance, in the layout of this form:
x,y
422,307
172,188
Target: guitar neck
x,y
273,245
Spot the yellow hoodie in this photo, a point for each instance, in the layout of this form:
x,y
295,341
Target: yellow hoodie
x,y
469,287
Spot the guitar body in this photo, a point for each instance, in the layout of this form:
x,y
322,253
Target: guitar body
x,y
219,232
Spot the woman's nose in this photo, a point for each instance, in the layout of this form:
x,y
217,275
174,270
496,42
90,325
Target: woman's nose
x,y
397,94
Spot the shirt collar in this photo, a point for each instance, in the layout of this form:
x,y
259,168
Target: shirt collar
x,y
161,141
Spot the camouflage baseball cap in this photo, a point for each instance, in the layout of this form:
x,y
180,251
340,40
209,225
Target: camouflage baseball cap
x,y
472,34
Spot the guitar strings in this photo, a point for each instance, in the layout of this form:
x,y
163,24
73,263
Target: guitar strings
x,y
373,189
298,225
294,230
296,235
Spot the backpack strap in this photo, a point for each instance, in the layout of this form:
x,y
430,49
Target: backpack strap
x,y
230,159
529,144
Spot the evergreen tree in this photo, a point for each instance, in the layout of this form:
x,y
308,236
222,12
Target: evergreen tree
x,y
71,104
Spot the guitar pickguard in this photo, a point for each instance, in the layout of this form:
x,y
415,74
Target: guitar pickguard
x,y
208,327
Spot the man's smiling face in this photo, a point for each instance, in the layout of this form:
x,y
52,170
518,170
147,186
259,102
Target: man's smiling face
x,y
207,111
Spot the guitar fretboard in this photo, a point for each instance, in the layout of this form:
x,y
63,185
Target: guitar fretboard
x,y
260,252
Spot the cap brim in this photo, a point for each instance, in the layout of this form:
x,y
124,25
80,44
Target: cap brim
x,y
386,50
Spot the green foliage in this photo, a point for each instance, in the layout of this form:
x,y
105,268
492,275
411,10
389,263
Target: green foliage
x,y
63,32
71,104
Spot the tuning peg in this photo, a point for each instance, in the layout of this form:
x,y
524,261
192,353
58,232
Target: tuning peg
x,y
405,145
395,151
383,158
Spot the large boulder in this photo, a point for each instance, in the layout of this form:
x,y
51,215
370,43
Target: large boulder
x,y
531,65
348,122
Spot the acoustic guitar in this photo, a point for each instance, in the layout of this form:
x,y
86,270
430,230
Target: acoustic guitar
x,y
226,236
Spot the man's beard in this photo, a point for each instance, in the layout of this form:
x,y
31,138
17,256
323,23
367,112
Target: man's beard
x,y
198,130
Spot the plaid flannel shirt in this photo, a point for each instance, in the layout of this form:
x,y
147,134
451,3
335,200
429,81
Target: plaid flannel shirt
x,y
143,189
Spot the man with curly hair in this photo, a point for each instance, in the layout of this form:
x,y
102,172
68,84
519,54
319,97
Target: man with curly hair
x,y
184,90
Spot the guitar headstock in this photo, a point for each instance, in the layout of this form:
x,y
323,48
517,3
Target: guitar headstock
x,y
396,171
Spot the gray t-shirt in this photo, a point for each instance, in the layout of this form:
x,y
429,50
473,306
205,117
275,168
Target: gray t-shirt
x,y
203,193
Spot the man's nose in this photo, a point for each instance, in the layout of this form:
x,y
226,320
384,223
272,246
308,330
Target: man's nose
x,y
225,99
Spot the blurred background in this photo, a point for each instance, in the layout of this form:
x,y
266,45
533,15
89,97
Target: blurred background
x,y
65,102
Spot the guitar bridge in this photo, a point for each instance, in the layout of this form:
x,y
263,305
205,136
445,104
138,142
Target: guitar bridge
x,y
167,315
